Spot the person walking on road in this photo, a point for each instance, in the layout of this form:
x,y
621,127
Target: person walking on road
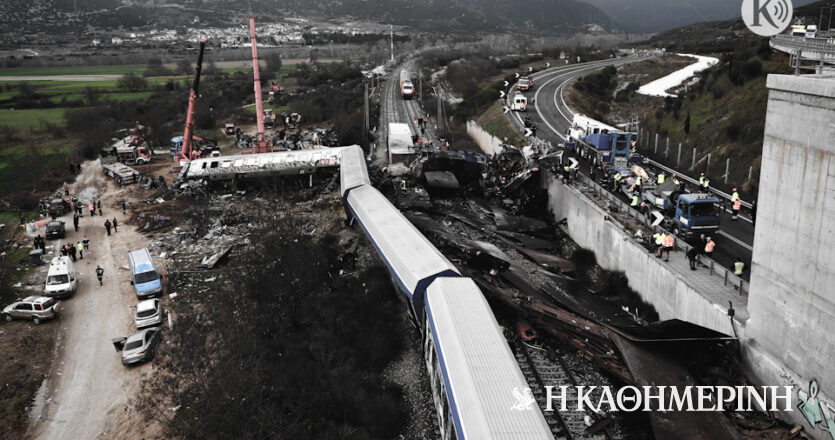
x,y
80,247
115,225
86,242
64,251
99,206
124,207
753,212
737,204
71,249
107,226
92,207
99,274
75,221
66,189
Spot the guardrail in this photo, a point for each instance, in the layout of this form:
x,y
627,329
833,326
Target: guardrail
x,y
727,275
802,43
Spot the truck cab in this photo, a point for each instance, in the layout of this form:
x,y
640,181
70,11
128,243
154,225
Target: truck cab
x,y
695,214
525,83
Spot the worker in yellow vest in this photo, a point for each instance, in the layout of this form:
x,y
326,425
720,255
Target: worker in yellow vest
x,y
739,267
660,178
635,200
657,240
737,204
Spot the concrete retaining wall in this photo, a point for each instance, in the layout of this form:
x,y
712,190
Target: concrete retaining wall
x,y
488,143
673,297
792,304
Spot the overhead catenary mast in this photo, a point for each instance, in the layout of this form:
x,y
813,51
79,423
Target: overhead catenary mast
x,y
391,34
186,152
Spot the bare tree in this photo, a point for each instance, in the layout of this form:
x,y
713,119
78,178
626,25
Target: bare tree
x,y
132,82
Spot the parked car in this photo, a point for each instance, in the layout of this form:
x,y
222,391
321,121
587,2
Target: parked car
x,y
148,313
59,207
55,230
36,308
140,346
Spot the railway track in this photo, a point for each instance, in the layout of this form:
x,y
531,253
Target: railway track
x,y
543,367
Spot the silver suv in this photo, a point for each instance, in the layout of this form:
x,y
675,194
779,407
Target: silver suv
x,y
148,313
36,308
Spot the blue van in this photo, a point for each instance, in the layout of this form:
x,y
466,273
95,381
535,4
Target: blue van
x,y
143,274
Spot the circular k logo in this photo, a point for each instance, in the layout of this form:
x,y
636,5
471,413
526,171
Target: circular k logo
x,y
767,17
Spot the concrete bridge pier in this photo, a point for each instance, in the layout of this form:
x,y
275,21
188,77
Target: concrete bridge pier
x,y
790,335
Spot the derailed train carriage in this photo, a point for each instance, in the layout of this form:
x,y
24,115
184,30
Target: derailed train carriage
x,y
474,376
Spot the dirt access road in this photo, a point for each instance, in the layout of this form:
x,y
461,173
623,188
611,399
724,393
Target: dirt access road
x,y
88,388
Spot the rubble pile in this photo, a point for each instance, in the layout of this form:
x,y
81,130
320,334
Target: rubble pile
x,y
292,138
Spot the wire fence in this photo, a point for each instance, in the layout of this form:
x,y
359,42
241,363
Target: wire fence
x,y
688,162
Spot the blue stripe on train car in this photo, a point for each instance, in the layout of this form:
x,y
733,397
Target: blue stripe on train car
x,y
451,397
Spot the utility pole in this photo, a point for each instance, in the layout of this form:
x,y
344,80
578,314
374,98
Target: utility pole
x,y
391,34
365,122
420,87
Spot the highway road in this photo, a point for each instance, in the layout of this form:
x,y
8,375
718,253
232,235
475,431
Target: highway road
x,y
552,117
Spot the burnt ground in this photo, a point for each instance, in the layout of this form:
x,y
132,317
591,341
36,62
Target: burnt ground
x,y
28,351
295,333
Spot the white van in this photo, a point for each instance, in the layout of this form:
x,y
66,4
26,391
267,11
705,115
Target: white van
x,y
60,280
143,274
518,102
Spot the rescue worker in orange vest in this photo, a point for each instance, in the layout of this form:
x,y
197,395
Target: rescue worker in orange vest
x,y
660,242
709,247
667,245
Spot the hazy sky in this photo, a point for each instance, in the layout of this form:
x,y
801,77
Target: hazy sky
x,y
659,15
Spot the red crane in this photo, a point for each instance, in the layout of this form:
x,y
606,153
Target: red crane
x,y
187,153
261,144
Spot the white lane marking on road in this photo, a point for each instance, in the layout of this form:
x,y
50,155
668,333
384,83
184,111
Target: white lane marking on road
x,y
736,240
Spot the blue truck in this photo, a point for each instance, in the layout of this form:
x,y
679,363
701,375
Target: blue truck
x,y
685,214
600,143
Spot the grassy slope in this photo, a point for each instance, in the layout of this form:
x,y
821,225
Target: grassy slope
x,y
496,123
713,116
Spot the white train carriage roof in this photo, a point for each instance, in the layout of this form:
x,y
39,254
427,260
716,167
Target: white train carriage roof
x,y
589,124
411,258
482,377
265,162
353,172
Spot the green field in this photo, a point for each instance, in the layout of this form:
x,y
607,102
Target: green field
x,y
75,70
27,119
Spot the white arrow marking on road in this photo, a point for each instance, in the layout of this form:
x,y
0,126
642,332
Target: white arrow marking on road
x,y
658,218
528,132
505,109
517,74
547,65
506,83
501,93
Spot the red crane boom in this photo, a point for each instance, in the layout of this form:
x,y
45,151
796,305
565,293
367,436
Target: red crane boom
x,y
186,152
260,143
